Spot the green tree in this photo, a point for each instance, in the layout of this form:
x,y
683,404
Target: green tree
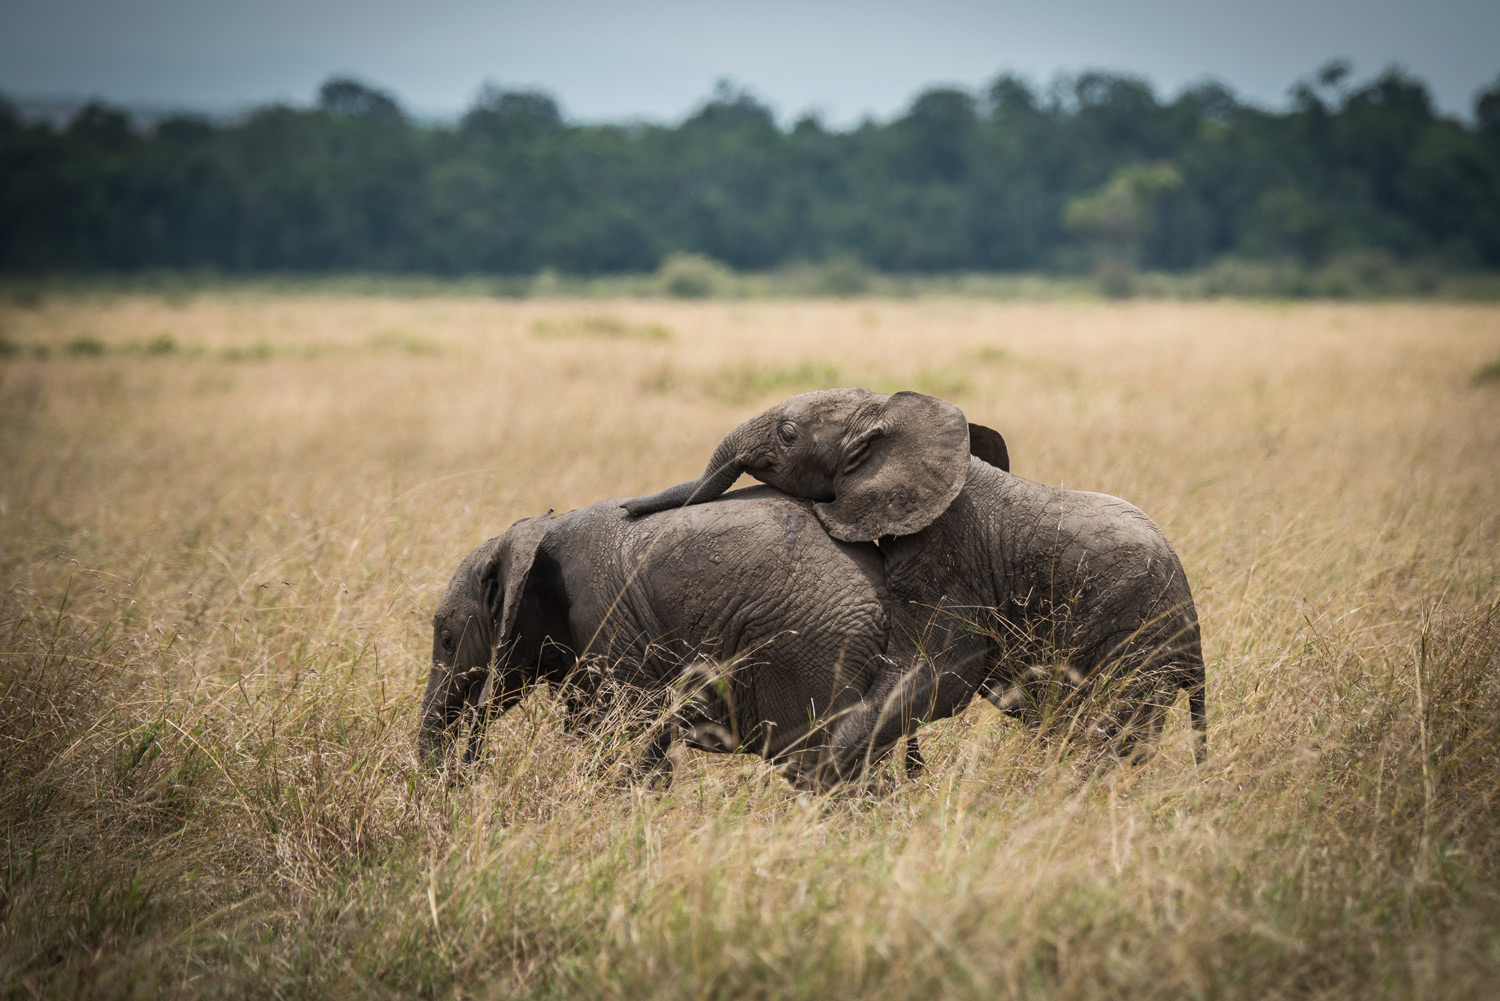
x,y
1117,216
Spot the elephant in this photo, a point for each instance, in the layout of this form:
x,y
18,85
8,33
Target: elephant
x,y
998,583
752,582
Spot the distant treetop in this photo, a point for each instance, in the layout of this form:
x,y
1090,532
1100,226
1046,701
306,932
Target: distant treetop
x,y
1012,176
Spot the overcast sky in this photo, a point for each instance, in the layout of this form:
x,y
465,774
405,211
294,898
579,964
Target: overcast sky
x,y
657,59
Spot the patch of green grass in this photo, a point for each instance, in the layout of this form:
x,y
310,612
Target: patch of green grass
x,y
406,342
258,351
941,383
89,346
736,385
604,326
161,344
1487,373
86,346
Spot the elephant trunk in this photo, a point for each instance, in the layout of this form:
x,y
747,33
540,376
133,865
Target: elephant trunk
x,y
724,467
437,724
433,741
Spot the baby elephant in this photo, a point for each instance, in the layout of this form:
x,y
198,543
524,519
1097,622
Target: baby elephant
x,y
797,620
996,580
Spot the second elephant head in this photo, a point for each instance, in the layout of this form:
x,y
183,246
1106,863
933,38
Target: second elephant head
x,y
877,465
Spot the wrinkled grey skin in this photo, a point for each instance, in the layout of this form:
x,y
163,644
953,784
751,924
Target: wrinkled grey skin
x,y
995,579
752,580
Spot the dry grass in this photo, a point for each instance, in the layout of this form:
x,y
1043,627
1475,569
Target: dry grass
x,y
220,554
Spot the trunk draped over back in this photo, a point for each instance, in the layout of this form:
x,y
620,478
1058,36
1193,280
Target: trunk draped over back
x,y
724,467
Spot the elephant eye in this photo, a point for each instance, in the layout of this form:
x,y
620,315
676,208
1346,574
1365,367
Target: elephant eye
x,y
787,432
447,640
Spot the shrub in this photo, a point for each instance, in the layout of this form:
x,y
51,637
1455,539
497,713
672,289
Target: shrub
x,y
693,276
545,285
86,345
844,276
1116,278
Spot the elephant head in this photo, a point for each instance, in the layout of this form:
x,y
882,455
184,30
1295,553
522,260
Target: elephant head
x,y
474,638
875,464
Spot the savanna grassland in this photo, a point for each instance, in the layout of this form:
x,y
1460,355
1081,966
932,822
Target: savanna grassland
x,y
225,521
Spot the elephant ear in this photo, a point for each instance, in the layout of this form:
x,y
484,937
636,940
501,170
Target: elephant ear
x,y
901,469
523,540
986,443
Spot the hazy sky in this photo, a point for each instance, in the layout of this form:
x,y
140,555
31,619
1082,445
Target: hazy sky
x,y
659,58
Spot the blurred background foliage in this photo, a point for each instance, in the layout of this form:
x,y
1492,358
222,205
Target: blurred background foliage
x,y
1093,174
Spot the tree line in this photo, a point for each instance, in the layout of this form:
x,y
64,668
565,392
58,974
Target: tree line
x,y
1012,177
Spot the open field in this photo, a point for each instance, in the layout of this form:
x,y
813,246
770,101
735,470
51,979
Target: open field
x,y
225,522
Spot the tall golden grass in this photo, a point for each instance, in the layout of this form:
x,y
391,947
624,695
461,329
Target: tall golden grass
x,y
226,522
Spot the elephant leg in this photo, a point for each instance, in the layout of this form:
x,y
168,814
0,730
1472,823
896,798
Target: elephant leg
x,y
805,770
1198,710
655,766
1012,698
1139,737
578,711
1134,725
900,699
909,689
909,692
915,763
